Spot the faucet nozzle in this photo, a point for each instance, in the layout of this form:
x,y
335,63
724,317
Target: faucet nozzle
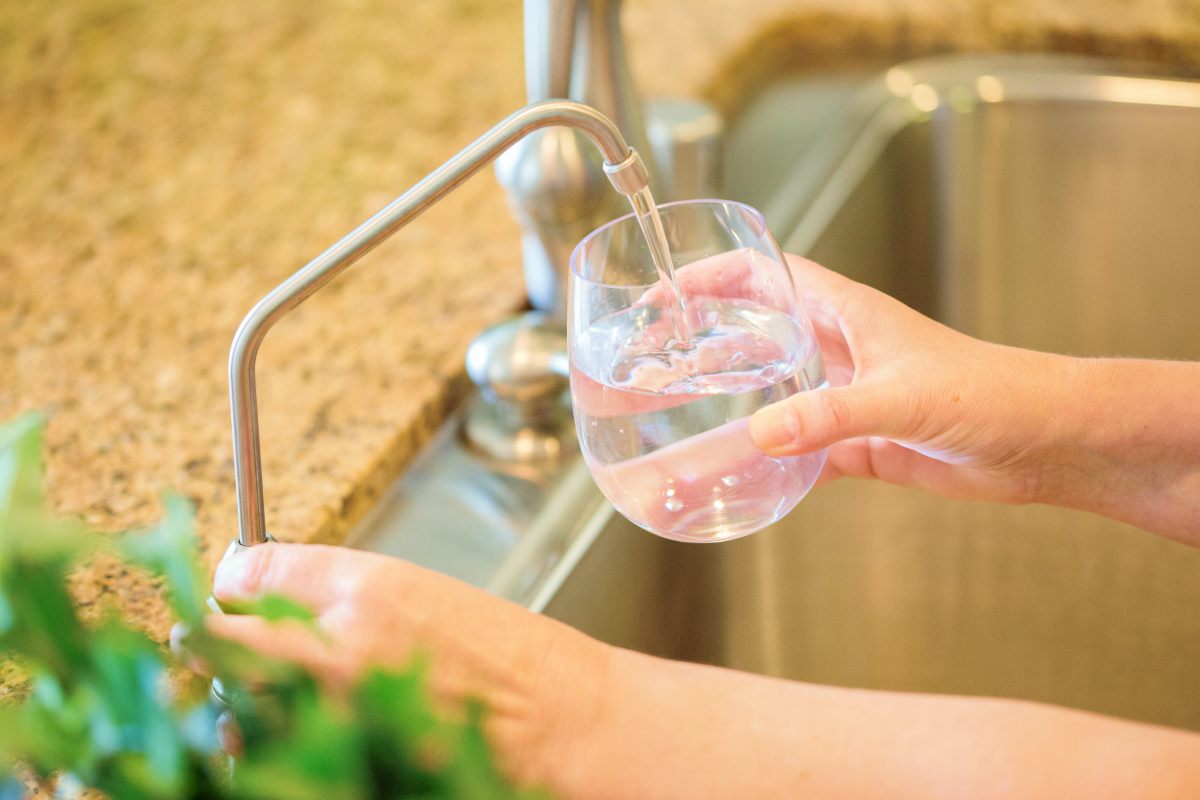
x,y
629,176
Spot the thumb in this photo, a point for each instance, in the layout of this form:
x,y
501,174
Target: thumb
x,y
813,420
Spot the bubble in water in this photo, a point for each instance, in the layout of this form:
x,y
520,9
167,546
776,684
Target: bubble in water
x,y
674,504
730,480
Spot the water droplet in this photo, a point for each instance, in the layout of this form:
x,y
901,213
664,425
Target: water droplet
x,y
719,505
670,492
730,480
673,504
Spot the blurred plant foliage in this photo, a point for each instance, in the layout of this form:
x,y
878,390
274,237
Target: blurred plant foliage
x,y
98,711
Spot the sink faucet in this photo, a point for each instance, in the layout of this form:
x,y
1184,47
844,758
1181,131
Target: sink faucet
x,y
573,49
623,169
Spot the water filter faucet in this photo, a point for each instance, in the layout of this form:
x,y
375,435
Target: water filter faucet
x,y
625,171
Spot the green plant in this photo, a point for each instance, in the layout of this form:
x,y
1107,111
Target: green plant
x,y
97,708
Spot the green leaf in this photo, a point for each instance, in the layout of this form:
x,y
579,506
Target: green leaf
x,y
98,713
271,607
20,471
170,549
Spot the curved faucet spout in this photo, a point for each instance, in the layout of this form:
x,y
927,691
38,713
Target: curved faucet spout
x,y
623,166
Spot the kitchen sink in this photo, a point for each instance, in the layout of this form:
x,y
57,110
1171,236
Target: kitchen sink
x,y
1046,204
1041,202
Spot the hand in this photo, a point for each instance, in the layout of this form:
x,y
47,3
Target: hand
x,y
915,403
540,680
588,721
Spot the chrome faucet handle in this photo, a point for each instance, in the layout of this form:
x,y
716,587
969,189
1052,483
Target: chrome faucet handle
x,y
521,361
522,415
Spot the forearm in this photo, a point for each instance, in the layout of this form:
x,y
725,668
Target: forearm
x,y
681,730
1129,444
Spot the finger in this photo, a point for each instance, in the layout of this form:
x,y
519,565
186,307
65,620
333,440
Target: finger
x,y
809,276
178,642
892,462
286,640
313,575
229,734
813,420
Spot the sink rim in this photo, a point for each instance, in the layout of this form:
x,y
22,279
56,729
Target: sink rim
x,y
913,91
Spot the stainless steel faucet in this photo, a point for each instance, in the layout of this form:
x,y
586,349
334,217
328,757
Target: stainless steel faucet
x,y
623,168
573,49
557,158
558,191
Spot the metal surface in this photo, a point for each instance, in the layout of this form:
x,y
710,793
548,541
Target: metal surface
x,y
522,414
301,285
685,136
1041,203
573,49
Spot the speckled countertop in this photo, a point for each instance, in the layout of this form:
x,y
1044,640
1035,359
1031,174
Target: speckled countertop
x,y
164,165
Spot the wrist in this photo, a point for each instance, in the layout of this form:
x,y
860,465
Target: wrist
x,y
569,698
599,736
1128,435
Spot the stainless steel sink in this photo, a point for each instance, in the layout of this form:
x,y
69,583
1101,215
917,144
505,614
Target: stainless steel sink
x,y
1045,203
1048,204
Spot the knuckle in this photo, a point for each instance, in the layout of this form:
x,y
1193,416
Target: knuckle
x,y
260,565
835,416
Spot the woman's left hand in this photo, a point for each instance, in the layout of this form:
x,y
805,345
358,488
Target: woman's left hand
x,y
541,681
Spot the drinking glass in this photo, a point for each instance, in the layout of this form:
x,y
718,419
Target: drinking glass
x,y
664,423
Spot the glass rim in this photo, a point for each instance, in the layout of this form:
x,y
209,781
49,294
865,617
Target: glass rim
x,y
574,260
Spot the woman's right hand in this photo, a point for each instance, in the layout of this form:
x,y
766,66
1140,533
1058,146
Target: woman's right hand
x,y
915,403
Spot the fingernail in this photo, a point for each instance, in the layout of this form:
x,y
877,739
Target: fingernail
x,y
774,427
179,632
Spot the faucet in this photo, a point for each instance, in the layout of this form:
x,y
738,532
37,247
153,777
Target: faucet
x,y
622,165
555,182
573,49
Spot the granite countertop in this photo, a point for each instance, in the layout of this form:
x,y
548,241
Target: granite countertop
x,y
165,165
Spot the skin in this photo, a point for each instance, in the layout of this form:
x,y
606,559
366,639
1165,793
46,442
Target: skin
x,y
914,403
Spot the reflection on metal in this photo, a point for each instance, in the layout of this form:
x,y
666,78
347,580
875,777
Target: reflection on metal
x,y
924,97
989,88
898,81
522,415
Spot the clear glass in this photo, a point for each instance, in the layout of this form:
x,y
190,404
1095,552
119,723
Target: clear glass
x,y
664,429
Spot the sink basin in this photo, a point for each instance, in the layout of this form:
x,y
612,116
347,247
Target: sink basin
x,y
1045,203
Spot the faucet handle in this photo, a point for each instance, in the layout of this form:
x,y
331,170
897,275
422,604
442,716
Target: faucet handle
x,y
523,414
521,361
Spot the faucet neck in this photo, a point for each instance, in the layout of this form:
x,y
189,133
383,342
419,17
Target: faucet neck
x,y
625,172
